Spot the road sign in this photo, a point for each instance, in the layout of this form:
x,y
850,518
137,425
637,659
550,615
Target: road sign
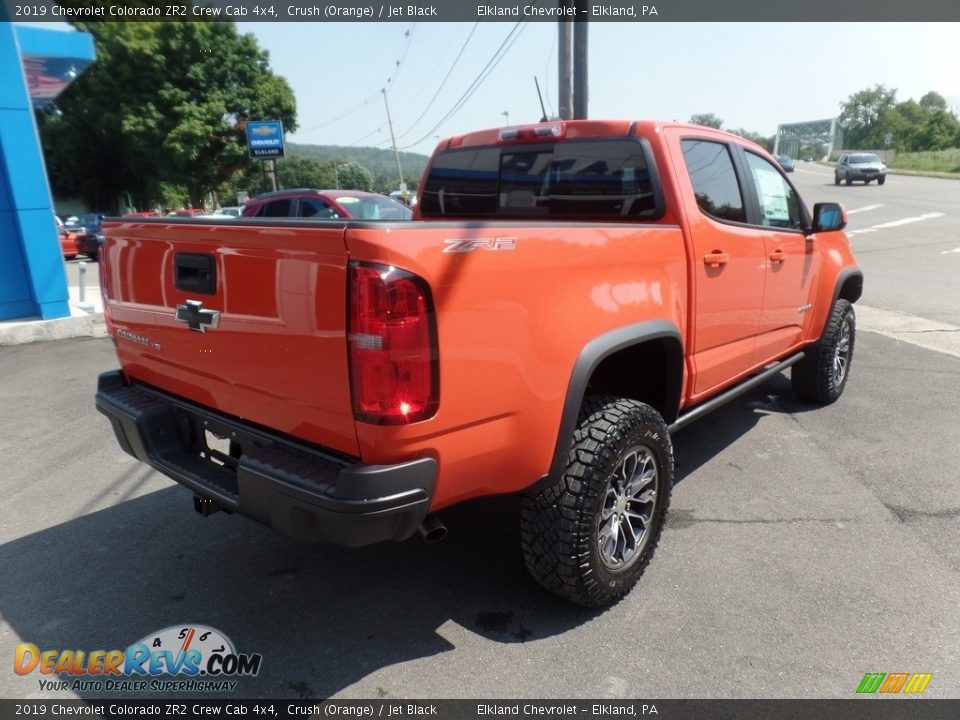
x,y
265,139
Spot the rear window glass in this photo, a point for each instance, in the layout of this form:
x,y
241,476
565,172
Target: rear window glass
x,y
607,179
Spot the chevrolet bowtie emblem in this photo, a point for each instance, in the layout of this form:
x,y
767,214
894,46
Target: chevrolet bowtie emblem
x,y
196,317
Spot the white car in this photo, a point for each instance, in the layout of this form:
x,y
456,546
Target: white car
x,y
226,212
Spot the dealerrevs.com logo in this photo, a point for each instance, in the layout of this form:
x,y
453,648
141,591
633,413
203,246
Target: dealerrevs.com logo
x,y
186,658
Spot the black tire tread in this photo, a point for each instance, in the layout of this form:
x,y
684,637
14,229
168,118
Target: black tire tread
x,y
812,377
556,522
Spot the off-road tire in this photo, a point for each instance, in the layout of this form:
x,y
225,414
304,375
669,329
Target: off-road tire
x,y
815,378
561,520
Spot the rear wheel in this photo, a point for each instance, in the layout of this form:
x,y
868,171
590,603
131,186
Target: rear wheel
x,y
588,535
822,374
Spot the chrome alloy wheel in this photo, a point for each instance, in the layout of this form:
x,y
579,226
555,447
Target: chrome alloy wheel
x,y
624,522
841,354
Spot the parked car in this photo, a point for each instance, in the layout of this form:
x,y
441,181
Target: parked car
x,y
408,198
187,212
68,240
86,222
142,213
89,237
326,204
859,166
226,212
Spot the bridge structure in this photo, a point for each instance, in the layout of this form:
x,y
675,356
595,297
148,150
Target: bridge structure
x,y
818,138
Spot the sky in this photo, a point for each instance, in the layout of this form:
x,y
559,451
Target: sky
x,y
751,75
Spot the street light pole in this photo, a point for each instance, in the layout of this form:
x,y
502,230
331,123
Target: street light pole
x,y
396,154
506,114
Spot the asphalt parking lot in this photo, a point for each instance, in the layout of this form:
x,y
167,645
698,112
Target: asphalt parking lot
x,y
805,548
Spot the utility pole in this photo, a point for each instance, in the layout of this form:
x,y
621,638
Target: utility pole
x,y
565,65
580,76
396,154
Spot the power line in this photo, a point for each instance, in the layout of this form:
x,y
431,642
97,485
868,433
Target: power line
x,y
442,83
408,38
500,53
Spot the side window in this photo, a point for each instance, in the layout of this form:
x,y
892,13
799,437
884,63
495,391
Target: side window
x,y
714,179
277,208
779,204
313,208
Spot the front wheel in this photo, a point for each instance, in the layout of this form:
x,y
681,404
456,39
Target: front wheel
x,y
588,535
822,374
881,180
848,181
836,179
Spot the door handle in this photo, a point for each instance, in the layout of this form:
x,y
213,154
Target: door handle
x,y
777,256
716,258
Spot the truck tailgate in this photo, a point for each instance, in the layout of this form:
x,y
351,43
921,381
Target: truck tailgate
x,y
246,319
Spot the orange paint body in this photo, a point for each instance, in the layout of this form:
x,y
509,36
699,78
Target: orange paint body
x,y
511,319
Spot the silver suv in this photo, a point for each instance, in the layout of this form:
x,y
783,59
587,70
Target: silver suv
x,y
859,166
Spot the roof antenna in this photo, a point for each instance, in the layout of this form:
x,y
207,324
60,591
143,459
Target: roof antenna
x,y
539,95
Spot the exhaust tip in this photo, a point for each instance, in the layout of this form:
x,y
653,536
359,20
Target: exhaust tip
x,y
432,529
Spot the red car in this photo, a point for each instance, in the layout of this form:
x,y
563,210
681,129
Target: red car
x,y
326,205
68,240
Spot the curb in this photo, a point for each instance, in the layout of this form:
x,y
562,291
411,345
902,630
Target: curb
x,y
80,324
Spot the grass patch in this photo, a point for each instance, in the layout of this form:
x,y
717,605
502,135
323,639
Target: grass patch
x,y
945,161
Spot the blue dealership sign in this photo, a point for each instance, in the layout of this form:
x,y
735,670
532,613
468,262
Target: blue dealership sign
x,y
265,139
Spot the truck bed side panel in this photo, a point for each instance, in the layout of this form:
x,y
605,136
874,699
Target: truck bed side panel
x,y
514,312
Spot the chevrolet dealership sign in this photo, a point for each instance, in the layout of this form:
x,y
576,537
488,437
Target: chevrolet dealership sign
x,y
265,139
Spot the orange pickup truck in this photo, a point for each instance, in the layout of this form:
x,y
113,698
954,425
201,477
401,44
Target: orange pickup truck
x,y
567,295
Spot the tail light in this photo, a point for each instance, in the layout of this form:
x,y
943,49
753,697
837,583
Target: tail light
x,y
392,334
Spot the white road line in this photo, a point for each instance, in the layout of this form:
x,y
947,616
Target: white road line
x,y
930,334
864,209
948,252
896,223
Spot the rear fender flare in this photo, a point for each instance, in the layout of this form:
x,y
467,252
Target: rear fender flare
x,y
590,358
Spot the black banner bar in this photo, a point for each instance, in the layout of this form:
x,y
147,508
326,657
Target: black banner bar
x,y
874,708
489,11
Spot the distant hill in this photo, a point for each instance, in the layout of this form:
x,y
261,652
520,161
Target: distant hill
x,y
381,162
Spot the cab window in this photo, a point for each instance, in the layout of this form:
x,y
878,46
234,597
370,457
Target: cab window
x,y
779,204
313,208
715,183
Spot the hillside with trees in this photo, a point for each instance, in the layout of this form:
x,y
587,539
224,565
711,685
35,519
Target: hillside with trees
x,y
379,162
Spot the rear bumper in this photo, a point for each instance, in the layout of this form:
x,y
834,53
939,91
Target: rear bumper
x,y
294,488
859,175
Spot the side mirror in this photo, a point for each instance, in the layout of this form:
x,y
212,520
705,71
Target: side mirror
x,y
828,216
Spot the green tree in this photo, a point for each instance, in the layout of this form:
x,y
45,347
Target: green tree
x,y
864,117
354,176
766,142
706,119
165,102
933,102
298,172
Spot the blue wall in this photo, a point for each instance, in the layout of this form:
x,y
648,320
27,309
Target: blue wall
x,y
32,276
